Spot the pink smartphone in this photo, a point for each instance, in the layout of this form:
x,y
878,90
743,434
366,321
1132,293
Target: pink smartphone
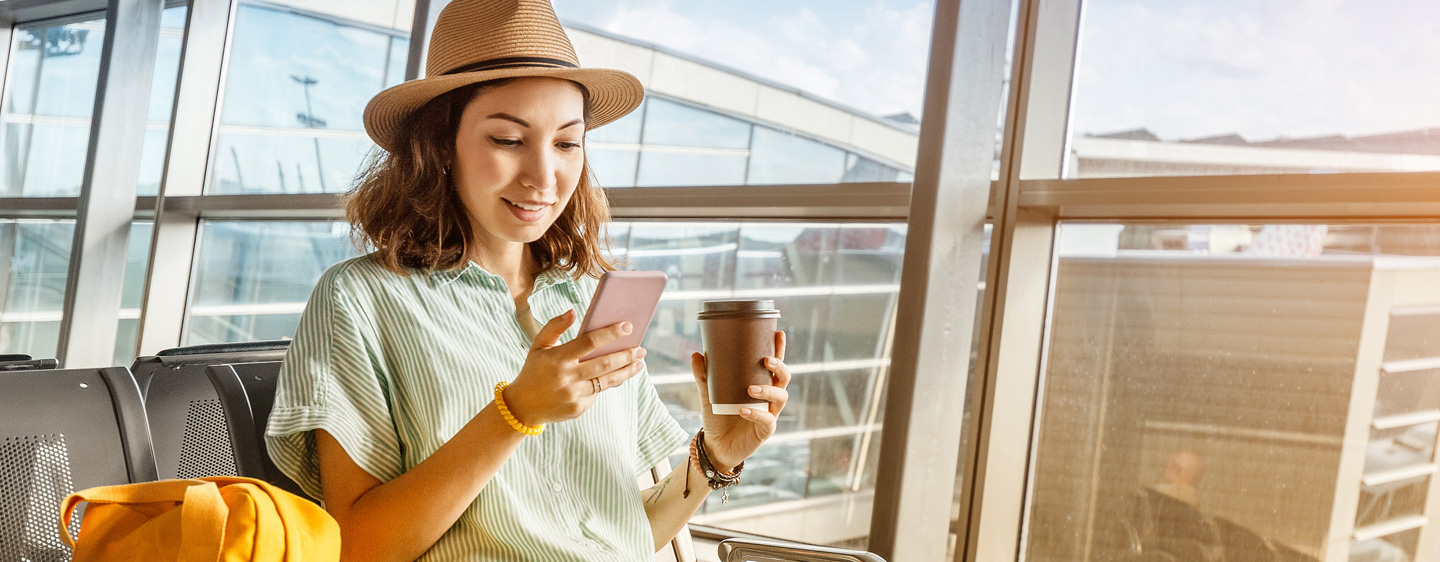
x,y
623,296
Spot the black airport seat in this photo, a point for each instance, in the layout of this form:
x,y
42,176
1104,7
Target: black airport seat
x,y
186,419
247,392
62,431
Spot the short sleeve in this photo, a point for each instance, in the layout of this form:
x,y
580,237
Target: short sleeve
x,y
333,378
659,434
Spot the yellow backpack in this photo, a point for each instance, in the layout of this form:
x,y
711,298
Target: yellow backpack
x,y
212,519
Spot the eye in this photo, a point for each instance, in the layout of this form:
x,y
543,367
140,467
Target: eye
x,y
568,145
507,143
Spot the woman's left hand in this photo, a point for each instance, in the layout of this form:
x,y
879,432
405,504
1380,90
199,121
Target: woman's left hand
x,y
729,440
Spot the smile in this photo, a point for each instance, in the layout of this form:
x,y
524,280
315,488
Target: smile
x,y
527,211
526,206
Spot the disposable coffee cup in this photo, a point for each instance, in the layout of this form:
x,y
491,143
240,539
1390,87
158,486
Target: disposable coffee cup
x,y
738,335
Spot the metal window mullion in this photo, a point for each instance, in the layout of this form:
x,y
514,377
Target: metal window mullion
x,y
920,446
1011,359
7,42
425,13
107,193
38,207
196,113
1350,195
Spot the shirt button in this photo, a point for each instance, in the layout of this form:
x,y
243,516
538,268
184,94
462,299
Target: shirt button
x,y
557,487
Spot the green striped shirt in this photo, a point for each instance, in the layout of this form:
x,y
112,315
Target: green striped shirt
x,y
393,366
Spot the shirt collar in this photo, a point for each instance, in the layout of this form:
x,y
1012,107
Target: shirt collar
x,y
547,278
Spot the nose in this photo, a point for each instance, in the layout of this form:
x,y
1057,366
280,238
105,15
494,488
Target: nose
x,y
538,169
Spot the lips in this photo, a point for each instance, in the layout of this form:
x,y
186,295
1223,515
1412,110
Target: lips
x,y
527,211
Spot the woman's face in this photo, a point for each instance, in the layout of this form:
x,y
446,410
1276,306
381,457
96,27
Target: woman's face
x,y
519,157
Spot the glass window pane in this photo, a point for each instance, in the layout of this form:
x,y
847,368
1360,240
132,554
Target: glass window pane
x,y
35,255
49,96
662,167
862,169
820,467
1408,392
1189,87
1399,547
777,157
253,278
684,145
1412,336
613,151
1200,391
671,124
399,57
296,88
137,260
849,74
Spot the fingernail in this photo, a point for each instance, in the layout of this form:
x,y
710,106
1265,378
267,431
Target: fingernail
x,y
641,364
626,328
755,390
745,412
643,352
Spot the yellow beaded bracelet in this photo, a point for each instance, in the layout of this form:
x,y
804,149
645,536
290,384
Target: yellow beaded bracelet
x,y
510,418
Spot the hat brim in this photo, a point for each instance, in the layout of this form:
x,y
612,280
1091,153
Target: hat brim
x,y
613,93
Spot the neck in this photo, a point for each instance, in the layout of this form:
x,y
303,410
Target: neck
x,y
509,260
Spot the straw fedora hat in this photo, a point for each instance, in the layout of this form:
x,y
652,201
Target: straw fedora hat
x,y
479,40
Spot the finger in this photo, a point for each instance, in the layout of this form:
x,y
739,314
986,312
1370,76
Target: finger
x,y
611,361
549,335
697,368
780,344
764,419
776,396
592,340
618,377
780,370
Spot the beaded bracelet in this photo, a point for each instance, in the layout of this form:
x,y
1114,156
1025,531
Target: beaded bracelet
x,y
510,418
717,479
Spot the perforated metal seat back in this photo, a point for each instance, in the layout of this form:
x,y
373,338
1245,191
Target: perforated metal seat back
x,y
63,431
187,424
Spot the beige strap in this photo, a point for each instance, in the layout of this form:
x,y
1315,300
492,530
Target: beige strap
x,y
202,524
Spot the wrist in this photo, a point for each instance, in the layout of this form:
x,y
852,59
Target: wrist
x,y
503,405
518,409
718,458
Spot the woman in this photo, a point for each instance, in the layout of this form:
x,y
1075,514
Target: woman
x,y
484,220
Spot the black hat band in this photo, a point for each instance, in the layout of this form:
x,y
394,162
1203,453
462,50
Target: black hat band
x,y
513,62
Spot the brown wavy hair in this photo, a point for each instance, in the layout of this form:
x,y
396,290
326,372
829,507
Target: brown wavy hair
x,y
405,207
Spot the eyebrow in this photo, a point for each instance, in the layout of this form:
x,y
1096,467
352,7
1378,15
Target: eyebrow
x,y
526,124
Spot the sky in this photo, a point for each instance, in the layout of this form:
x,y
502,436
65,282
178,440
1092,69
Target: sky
x,y
1260,68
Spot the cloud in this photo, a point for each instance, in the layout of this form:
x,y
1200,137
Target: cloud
x,y
1260,68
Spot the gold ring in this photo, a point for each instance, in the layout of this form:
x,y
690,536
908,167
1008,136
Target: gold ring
x,y
595,383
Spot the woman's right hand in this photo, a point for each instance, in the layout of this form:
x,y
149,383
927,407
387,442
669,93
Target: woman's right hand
x,y
555,385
